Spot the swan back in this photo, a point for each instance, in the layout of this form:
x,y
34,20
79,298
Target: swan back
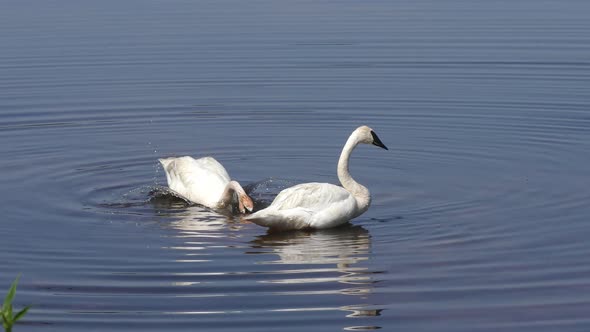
x,y
308,205
200,180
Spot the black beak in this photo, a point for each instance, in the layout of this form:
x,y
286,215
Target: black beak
x,y
377,141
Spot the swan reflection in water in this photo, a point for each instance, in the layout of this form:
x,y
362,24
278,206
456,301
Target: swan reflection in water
x,y
342,246
306,259
338,251
202,222
192,220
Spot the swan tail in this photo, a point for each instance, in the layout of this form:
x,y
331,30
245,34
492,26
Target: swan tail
x,y
285,220
264,221
167,170
165,161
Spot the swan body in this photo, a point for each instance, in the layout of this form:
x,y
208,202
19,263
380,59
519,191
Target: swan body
x,y
321,205
205,181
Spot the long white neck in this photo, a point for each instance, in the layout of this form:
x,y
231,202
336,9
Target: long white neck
x,y
358,191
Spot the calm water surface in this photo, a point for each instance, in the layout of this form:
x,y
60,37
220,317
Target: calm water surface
x,y
480,214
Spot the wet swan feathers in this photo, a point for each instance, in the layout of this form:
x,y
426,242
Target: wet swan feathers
x,y
205,181
321,205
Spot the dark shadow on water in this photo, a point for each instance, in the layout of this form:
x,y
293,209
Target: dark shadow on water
x,y
164,198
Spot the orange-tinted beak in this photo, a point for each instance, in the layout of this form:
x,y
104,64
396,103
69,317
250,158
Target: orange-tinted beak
x,y
246,203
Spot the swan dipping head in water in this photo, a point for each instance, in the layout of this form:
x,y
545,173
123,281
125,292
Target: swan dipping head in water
x,y
321,205
206,182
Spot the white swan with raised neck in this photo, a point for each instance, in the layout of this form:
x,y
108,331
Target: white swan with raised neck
x,y
321,205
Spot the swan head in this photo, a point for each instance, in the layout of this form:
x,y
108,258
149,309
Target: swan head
x,y
234,190
245,203
366,135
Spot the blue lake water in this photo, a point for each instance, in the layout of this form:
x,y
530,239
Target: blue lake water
x,y
480,217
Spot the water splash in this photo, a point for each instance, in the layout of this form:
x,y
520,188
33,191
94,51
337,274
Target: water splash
x,y
264,191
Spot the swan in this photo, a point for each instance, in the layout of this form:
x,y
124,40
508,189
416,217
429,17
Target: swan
x,y
321,205
205,181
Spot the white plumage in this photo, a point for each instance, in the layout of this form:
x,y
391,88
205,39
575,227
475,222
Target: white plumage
x,y
321,205
205,181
